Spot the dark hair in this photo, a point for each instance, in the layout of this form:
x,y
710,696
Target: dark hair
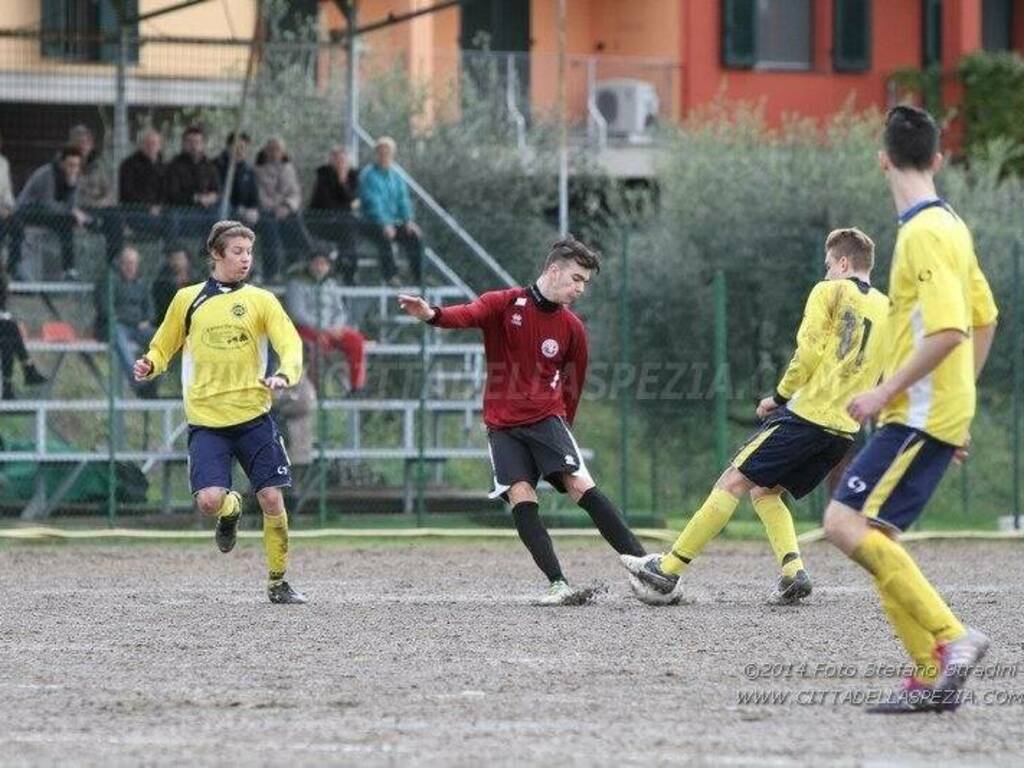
x,y
911,138
241,134
571,249
174,246
69,150
193,129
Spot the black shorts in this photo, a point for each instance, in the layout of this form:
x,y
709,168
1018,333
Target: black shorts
x,y
526,454
791,452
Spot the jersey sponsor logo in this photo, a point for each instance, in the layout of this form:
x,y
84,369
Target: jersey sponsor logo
x,y
856,485
517,319
238,310
924,275
549,348
521,301
570,460
226,337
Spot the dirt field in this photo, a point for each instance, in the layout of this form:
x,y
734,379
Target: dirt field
x,y
431,654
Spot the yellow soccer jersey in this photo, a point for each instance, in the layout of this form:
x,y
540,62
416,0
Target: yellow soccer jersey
x,y
840,352
223,332
936,284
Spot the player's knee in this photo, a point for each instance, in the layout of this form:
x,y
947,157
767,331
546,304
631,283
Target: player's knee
x,y
209,500
576,486
520,492
732,481
271,501
839,523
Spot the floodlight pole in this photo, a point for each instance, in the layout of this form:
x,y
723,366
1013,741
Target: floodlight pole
x,y
563,137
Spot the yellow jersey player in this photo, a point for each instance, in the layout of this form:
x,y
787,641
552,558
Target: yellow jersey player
x,y
222,327
941,327
806,430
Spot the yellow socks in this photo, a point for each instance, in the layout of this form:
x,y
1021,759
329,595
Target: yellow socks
x,y
702,528
778,524
916,639
900,579
231,506
275,544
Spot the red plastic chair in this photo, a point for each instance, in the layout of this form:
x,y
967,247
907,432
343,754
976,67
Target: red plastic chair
x,y
59,331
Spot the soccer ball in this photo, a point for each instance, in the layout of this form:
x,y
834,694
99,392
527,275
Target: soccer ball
x,y
646,594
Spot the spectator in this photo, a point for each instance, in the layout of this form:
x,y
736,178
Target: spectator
x,y
48,199
193,186
6,194
12,346
296,406
388,211
95,196
245,193
176,272
141,186
132,310
318,310
331,211
280,199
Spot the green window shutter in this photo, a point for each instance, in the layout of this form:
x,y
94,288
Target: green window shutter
x,y
739,35
109,29
53,26
851,36
931,32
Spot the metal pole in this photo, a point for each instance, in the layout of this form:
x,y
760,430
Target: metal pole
x,y
352,87
321,414
1018,380
624,356
113,360
120,106
721,370
421,435
563,131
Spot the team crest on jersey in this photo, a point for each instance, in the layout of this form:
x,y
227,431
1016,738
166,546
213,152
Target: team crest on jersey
x,y
238,310
517,319
549,348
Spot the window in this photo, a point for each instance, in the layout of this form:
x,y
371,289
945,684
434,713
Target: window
x,y
931,29
767,34
851,35
996,23
86,30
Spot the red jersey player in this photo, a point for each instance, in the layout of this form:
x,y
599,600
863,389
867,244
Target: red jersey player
x,y
536,351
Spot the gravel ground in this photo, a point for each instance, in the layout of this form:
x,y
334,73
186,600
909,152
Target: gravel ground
x,y
432,654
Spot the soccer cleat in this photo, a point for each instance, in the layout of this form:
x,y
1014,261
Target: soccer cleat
x,y
227,527
560,593
792,589
651,584
910,698
281,591
958,659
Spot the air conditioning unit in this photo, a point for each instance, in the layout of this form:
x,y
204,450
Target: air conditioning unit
x,y
630,107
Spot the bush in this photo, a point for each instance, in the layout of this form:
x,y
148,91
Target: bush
x,y
993,102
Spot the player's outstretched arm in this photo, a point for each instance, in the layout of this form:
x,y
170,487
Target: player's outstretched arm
x,y
166,341
416,306
475,314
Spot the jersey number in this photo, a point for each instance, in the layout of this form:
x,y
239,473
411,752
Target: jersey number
x,y
846,337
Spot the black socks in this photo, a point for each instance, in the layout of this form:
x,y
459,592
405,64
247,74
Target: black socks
x,y
536,539
610,523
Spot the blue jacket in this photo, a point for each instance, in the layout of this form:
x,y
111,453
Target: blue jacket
x,y
383,196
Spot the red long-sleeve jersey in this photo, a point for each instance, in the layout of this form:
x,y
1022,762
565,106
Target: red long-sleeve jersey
x,y
536,354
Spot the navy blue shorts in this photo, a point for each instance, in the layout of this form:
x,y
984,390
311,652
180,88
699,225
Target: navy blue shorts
x,y
791,452
895,474
256,444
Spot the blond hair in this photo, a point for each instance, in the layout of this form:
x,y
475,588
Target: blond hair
x,y
854,245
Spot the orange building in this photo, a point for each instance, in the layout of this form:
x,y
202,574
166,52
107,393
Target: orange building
x,y
807,57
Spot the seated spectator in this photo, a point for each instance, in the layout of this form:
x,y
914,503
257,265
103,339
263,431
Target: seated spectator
x,y
176,272
12,346
318,310
141,187
95,195
192,187
6,194
295,407
132,310
331,213
245,193
48,200
280,200
388,212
